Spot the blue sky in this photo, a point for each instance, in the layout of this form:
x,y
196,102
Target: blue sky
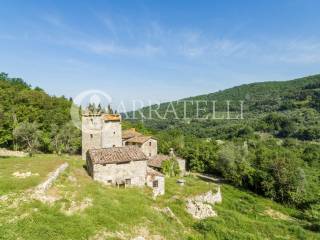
x,y
157,50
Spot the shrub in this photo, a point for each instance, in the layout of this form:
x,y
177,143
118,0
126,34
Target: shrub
x,y
170,167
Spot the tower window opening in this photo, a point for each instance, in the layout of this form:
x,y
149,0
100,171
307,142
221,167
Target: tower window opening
x,y
91,135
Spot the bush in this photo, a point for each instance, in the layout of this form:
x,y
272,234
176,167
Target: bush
x,y
170,167
311,154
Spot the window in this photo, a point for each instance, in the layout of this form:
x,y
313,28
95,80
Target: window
x,y
128,181
109,181
150,144
91,136
155,184
114,133
149,154
113,145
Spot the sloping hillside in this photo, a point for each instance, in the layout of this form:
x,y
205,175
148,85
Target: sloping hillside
x,y
267,107
21,103
83,209
264,96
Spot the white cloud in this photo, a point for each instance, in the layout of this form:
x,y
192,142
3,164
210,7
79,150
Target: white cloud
x,y
107,48
53,20
153,39
293,51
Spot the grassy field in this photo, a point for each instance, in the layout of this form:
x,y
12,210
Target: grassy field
x,y
85,209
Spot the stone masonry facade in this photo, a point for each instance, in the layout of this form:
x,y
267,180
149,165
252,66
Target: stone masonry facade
x,y
116,157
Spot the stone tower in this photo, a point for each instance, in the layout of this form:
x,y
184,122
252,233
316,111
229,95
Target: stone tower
x,y
100,131
91,132
111,131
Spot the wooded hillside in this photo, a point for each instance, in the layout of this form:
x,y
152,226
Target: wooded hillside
x,y
284,109
24,108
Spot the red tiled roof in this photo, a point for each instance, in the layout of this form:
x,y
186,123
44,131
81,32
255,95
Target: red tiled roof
x,y
112,117
116,155
151,172
157,160
139,139
130,133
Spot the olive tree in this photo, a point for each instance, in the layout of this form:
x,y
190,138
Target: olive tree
x,y
27,136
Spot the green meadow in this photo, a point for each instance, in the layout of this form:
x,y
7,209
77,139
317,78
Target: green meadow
x,y
84,209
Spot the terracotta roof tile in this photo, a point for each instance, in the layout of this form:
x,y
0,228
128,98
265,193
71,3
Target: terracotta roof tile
x,y
130,133
112,117
157,160
139,139
116,155
152,173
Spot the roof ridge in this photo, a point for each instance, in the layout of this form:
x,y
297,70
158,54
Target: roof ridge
x,y
116,155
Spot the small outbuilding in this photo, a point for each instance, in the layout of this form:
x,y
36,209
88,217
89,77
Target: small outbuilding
x,y
156,181
124,166
118,166
156,162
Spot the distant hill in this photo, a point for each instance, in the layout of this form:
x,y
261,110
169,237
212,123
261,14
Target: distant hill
x,y
296,101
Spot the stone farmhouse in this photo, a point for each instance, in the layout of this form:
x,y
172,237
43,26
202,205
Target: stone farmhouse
x,y
121,158
147,144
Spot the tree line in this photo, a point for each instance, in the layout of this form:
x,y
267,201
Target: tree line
x,y
32,120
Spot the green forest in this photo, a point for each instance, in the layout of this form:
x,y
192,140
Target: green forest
x,y
32,120
273,151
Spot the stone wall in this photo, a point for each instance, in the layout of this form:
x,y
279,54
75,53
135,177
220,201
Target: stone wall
x,y
182,166
160,189
51,178
113,173
200,206
91,133
150,148
111,134
9,153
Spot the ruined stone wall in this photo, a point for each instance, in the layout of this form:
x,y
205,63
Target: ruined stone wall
x,y
9,153
113,173
160,189
150,148
182,166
